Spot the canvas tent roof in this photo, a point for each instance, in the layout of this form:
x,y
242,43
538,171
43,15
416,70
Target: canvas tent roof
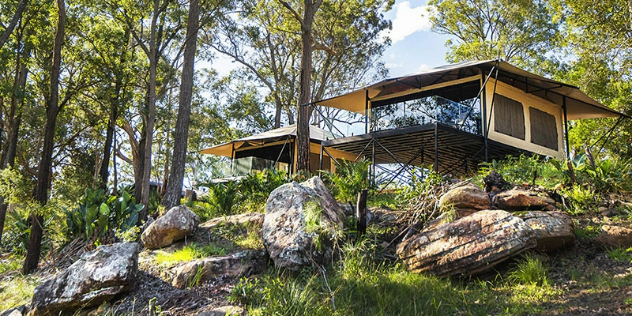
x,y
265,138
578,104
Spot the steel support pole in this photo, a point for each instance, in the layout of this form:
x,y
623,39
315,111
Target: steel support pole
x,y
436,147
373,161
321,158
366,112
568,153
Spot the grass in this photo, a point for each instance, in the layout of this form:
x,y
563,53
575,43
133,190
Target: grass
x,y
16,291
621,254
188,253
358,285
589,232
529,270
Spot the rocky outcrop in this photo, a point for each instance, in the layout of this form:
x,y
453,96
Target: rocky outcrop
x,y
18,311
243,263
615,236
522,200
469,245
176,224
553,230
255,219
299,223
467,198
96,277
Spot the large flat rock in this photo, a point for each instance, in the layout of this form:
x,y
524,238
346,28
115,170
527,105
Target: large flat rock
x,y
469,245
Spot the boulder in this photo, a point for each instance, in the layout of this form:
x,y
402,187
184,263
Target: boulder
x,y
553,230
96,277
242,263
255,219
522,200
290,240
615,236
468,197
176,224
469,245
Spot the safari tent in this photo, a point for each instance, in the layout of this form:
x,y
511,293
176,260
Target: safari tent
x,y
276,149
456,116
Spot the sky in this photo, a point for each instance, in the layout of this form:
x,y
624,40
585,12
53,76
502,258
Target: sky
x,y
414,46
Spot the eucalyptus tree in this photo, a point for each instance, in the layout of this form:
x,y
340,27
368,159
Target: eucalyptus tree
x,y
598,42
267,39
17,15
42,186
522,32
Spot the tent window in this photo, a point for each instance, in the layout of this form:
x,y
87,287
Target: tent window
x,y
543,129
508,117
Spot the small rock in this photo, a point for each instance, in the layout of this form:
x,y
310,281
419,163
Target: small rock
x,y
96,277
615,236
468,196
553,230
225,311
286,236
494,181
521,200
469,245
176,224
243,263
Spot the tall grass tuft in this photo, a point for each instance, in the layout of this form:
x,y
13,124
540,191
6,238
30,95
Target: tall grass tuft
x,y
529,270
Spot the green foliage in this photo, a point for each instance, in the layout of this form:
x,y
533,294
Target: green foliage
x,y
589,232
529,270
608,175
420,185
526,169
349,179
621,254
581,199
257,186
97,213
222,198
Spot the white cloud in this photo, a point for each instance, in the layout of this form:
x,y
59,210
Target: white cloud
x,y
393,65
423,67
408,21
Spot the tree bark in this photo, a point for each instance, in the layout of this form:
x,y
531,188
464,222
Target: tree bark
x,y
174,186
44,170
302,112
14,21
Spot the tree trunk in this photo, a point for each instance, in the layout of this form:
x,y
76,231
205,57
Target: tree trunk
x,y
107,147
14,21
12,139
174,186
302,112
44,170
151,112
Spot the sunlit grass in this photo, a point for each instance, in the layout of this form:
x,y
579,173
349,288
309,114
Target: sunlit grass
x,y
188,253
16,291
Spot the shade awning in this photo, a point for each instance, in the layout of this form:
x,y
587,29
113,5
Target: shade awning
x,y
578,104
266,138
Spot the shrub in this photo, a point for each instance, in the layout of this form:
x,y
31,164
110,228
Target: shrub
x,y
98,213
529,270
349,179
